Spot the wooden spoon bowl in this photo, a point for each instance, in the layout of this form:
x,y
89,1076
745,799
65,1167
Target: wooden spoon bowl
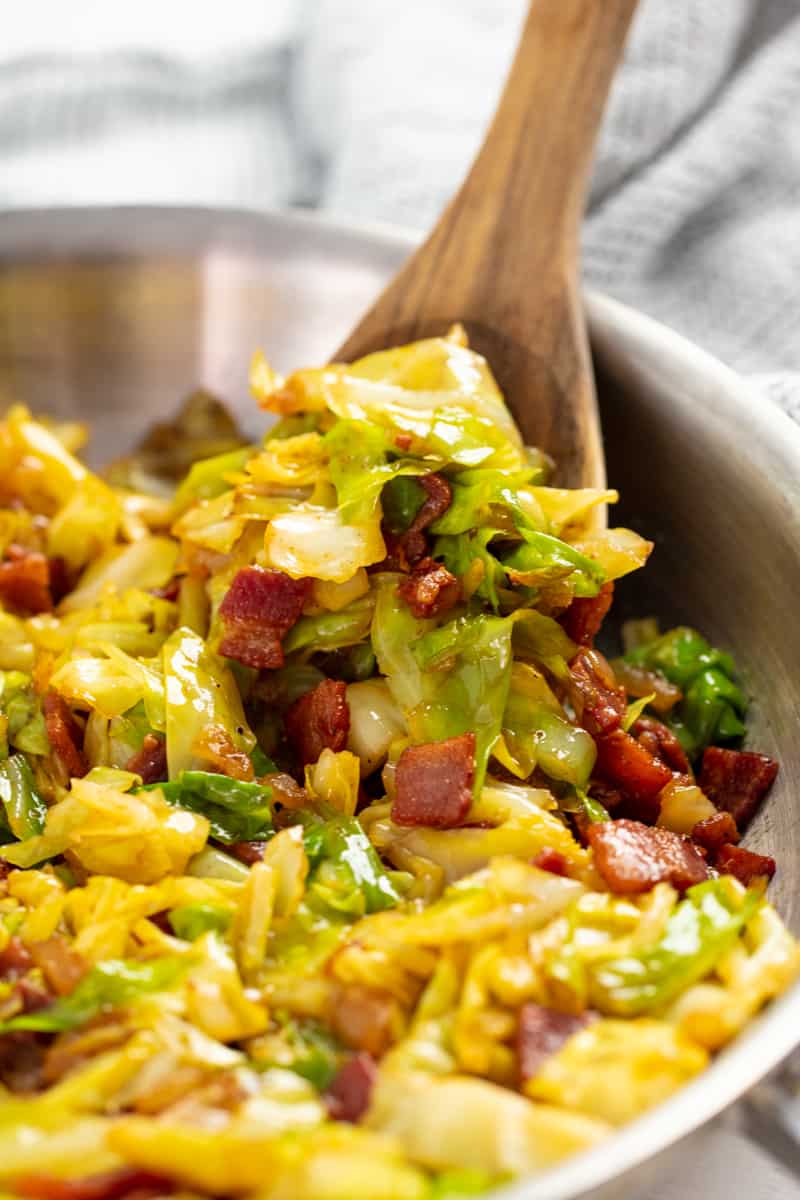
x,y
503,258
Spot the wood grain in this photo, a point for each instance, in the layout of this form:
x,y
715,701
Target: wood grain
x,y
503,258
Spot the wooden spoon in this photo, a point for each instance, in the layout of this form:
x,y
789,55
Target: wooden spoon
x,y
503,258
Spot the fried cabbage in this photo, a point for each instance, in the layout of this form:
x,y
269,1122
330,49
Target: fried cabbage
x,y
285,932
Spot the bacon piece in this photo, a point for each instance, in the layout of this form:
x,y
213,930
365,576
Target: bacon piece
x,y
632,857
405,550
745,865
150,763
737,781
60,580
15,960
32,995
430,590
65,734
585,615
319,720
5,869
541,1032
597,698
25,581
662,743
347,1098
21,1061
626,765
606,794
433,783
62,967
259,608
714,832
111,1185
247,852
552,861
437,501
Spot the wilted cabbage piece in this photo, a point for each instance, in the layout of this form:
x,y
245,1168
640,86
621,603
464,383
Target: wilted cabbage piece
x,y
139,838
347,874
109,985
713,706
301,894
237,810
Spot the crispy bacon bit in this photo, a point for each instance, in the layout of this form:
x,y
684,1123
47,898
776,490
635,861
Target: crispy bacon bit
x,y
430,590
60,581
632,857
541,1032
259,608
744,864
585,615
62,967
433,783
218,748
402,551
403,441
247,852
365,1018
606,794
25,581
436,502
21,1061
552,861
714,832
737,781
15,960
32,995
319,720
405,550
597,698
5,869
111,1185
64,732
150,763
626,765
662,743
347,1098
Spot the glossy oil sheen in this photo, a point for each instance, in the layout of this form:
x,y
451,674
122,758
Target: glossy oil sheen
x,y
111,315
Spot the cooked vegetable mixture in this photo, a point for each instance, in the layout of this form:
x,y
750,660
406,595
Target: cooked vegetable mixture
x,y
336,862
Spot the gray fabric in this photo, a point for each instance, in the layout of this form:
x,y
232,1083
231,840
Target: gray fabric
x,y
693,214
372,109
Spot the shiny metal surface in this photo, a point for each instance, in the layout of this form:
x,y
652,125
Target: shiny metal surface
x,y
113,314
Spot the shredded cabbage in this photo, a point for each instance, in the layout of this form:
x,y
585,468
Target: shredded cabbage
x,y
265,938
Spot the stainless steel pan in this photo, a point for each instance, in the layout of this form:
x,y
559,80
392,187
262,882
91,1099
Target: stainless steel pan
x,y
113,314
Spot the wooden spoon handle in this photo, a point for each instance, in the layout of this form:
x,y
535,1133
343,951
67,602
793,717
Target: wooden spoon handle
x,y
539,148
513,225
503,258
